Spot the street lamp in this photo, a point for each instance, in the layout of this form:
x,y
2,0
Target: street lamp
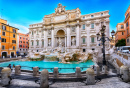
x,y
103,39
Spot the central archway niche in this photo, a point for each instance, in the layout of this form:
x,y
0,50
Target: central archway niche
x,y
60,38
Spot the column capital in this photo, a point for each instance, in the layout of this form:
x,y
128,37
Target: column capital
x,y
77,24
67,25
52,28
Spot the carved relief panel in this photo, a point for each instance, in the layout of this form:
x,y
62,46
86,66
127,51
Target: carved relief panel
x,y
49,32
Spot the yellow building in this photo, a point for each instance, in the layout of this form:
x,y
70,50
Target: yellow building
x,y
8,39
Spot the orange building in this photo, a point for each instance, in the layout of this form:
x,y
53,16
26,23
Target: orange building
x,y
127,24
123,29
23,44
8,37
120,32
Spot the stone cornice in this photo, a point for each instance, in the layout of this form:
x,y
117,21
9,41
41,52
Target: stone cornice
x,y
94,18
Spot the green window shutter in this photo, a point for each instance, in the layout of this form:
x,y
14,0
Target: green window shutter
x,y
83,26
92,39
83,40
37,43
42,43
32,43
92,25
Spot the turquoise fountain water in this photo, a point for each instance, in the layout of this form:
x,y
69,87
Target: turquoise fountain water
x,y
43,64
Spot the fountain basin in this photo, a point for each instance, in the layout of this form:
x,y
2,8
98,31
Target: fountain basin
x,y
66,68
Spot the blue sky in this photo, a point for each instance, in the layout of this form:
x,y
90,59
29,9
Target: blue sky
x,y
22,13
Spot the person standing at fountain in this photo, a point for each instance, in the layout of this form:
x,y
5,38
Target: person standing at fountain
x,y
9,66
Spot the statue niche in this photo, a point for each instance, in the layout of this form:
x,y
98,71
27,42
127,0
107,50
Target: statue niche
x,y
73,41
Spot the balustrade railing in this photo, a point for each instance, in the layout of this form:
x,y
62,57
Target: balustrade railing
x,y
123,57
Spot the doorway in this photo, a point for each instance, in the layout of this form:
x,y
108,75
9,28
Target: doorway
x,y
12,54
4,54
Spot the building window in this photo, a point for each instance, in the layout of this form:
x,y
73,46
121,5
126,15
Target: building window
x,y
26,46
122,26
14,35
20,45
3,40
20,41
83,40
92,39
13,41
83,17
127,40
101,14
84,50
13,47
26,38
127,32
23,46
83,26
42,32
37,32
23,49
3,27
32,32
23,38
20,49
122,33
3,47
3,33
26,49
14,31
26,42
20,37
42,43
32,43
92,16
37,50
23,41
127,24
37,43
92,25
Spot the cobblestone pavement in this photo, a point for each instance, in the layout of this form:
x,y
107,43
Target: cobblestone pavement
x,y
113,82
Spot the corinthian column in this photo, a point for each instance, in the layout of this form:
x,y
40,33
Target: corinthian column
x,y
52,37
77,35
45,38
68,36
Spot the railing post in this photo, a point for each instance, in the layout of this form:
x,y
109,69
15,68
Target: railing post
x,y
124,72
97,70
90,78
5,76
55,72
35,71
44,79
17,69
104,69
78,72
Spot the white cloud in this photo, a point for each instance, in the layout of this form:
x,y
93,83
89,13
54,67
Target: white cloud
x,y
22,29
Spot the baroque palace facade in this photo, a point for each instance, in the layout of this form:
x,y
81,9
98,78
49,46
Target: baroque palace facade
x,y
69,30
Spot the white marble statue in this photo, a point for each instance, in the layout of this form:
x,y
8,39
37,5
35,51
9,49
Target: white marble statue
x,y
60,43
73,41
60,8
49,42
95,54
